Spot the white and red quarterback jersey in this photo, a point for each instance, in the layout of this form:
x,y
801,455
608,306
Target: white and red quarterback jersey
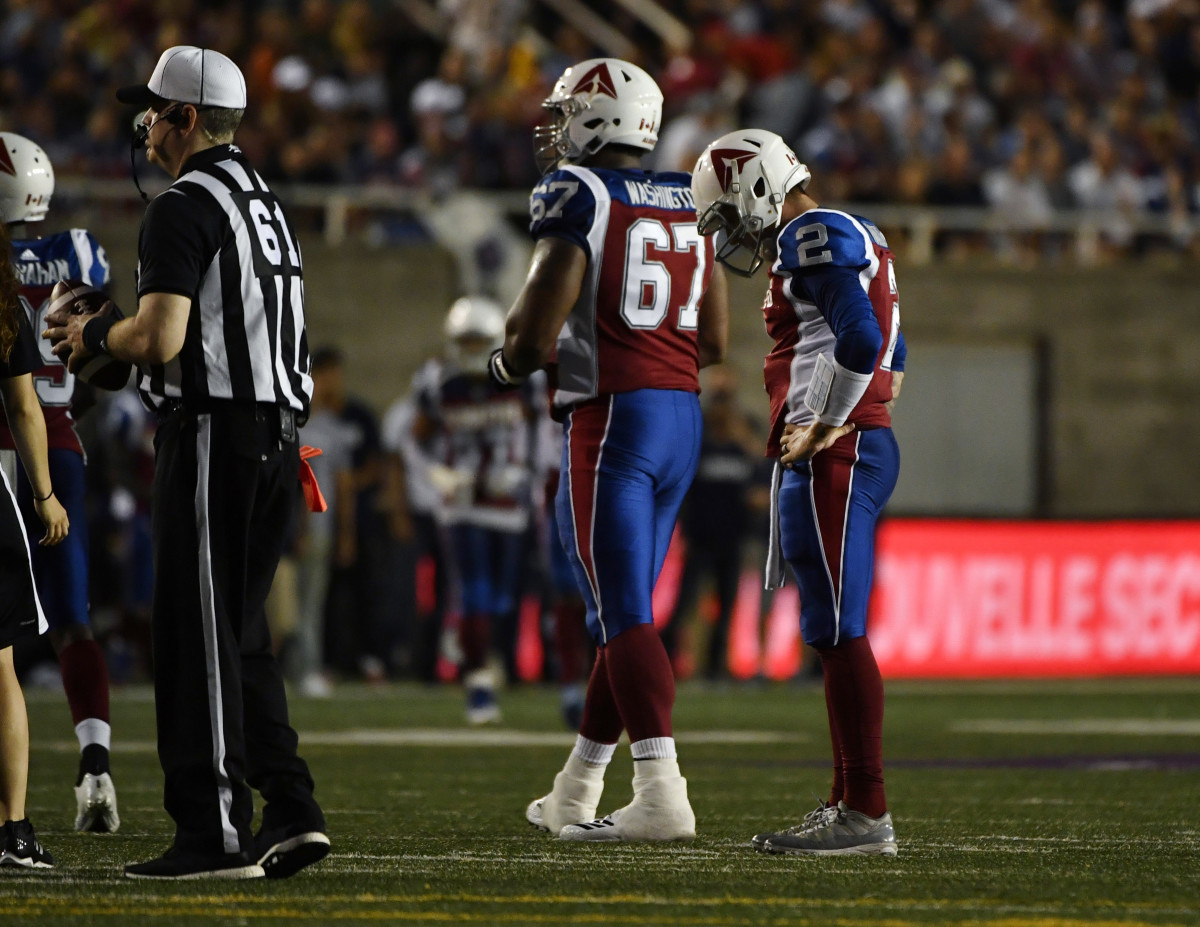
x,y
40,263
832,291
635,323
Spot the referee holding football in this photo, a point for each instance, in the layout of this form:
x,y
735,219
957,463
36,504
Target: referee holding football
x,y
220,341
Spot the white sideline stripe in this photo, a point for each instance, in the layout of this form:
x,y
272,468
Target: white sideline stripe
x,y
1147,727
437,737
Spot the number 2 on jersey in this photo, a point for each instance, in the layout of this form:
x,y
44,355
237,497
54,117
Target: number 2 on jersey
x,y
647,288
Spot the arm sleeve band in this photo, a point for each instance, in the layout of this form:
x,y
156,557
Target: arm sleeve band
x,y
834,391
900,355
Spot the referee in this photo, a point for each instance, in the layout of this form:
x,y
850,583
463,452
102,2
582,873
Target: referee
x,y
220,342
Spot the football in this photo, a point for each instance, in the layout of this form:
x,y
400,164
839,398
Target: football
x,y
74,297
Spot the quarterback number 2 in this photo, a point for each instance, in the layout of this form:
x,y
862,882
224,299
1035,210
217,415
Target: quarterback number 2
x,y
646,295
810,245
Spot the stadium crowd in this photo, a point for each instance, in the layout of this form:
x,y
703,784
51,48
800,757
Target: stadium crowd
x,y
1027,106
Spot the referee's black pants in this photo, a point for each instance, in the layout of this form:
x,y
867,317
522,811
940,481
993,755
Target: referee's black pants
x,y
225,483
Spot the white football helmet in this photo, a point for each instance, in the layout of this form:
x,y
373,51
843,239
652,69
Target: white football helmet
x,y
739,183
26,180
598,102
474,329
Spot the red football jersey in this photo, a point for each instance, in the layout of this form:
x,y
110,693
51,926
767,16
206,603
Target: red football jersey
x,y
635,325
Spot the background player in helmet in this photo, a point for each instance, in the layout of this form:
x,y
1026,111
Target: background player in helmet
x,y
624,303
481,442
833,310
26,186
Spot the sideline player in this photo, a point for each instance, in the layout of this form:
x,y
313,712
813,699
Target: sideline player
x,y
26,186
478,442
624,300
20,611
833,310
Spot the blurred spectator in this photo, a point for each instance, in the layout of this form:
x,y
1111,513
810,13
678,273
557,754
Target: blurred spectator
x,y
1104,186
425,569
361,616
715,518
327,538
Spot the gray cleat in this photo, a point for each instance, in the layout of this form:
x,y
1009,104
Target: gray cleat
x,y
820,816
848,833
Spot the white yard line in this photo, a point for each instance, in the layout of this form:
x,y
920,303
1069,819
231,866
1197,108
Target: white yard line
x,y
1145,727
441,737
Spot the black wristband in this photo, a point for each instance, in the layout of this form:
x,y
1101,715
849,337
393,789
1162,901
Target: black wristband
x,y
498,372
95,333
45,497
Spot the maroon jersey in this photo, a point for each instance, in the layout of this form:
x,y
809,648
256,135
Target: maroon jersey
x,y
635,324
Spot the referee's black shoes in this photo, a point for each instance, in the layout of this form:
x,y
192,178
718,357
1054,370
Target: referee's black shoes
x,y
180,864
284,851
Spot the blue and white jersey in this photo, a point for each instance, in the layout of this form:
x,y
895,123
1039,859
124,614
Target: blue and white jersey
x,y
833,291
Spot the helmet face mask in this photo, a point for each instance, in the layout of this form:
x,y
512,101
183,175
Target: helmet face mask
x,y
740,241
551,141
26,180
597,102
739,185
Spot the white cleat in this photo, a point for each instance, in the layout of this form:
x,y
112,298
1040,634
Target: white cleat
x,y
660,811
96,804
571,801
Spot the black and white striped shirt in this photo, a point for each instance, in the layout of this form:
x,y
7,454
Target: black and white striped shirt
x,y
219,237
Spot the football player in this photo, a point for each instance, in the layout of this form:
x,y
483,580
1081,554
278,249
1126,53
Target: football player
x,y
480,444
26,187
833,310
624,303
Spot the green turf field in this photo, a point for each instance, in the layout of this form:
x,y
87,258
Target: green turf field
x,y
1016,805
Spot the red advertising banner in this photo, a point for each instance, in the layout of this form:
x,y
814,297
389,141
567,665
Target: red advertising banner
x,y
976,599
986,598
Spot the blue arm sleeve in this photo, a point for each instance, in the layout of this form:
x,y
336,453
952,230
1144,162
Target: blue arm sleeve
x,y
900,355
839,295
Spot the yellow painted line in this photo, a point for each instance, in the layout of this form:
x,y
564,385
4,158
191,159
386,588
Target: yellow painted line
x,y
60,908
370,898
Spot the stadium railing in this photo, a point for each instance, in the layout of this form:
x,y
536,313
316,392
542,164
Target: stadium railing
x,y
920,227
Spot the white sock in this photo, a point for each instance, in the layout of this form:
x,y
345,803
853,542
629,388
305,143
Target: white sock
x,y
590,753
93,731
654,748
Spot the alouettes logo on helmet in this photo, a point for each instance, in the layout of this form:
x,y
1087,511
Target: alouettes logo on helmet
x,y
728,163
597,80
6,162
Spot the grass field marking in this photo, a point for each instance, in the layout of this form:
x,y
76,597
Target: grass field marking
x,y
440,737
223,909
626,898
1147,727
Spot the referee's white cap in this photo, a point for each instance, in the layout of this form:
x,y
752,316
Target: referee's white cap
x,y
187,74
